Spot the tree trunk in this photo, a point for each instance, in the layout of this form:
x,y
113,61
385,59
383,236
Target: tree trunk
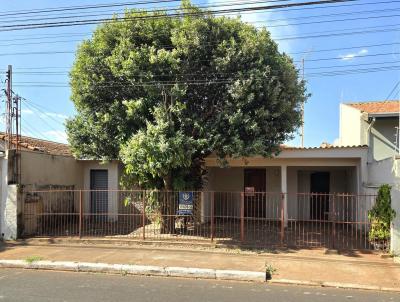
x,y
168,207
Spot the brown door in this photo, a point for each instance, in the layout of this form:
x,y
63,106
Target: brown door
x,y
255,197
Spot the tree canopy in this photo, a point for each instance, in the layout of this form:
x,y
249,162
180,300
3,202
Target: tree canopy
x,y
161,93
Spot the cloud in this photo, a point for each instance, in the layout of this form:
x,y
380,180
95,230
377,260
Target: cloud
x,y
278,28
336,142
57,135
27,111
351,56
54,115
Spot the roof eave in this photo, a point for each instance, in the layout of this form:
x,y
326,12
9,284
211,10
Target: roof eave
x,y
384,114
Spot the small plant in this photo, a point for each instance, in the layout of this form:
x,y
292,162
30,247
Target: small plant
x,y
380,217
269,271
32,259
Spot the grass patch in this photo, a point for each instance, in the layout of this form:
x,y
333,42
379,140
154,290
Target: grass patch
x,y
269,271
32,259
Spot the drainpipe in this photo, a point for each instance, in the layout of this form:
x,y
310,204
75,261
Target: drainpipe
x,y
369,129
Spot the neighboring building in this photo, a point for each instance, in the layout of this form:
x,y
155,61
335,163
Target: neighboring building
x,y
375,124
46,165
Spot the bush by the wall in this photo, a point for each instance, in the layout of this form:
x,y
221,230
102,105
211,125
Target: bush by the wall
x,y
381,216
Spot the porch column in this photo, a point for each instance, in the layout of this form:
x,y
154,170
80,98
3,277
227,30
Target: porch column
x,y
284,191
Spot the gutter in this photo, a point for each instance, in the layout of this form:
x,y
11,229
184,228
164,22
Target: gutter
x,y
377,186
384,114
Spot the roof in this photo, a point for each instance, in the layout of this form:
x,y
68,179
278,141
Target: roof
x,y
39,145
377,107
322,147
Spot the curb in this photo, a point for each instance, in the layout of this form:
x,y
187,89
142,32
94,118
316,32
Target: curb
x,y
183,272
140,270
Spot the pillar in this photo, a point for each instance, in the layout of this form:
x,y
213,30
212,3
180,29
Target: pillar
x,y
395,230
284,191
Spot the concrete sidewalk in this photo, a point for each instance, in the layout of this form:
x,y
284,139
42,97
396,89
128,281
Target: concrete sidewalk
x,y
296,266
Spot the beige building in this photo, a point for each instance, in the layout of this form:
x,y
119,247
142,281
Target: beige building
x,y
46,165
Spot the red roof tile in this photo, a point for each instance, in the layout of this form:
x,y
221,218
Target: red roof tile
x,y
39,145
377,107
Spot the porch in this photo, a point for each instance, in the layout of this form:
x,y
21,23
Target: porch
x,y
301,198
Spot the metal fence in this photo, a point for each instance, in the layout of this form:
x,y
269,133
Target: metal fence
x,y
256,219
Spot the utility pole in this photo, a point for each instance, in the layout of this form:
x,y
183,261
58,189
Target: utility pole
x,y
303,60
9,106
13,131
17,157
302,110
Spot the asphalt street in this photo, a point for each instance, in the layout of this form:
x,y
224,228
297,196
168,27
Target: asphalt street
x,y
28,285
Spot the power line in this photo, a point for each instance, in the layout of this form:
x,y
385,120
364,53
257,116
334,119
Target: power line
x,y
162,9
207,81
213,44
269,21
225,3
326,34
44,73
50,35
44,111
198,61
156,16
393,90
18,13
81,7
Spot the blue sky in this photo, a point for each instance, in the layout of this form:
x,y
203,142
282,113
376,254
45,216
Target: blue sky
x,y
46,108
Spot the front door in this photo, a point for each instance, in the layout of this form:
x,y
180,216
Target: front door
x,y
254,188
99,193
320,188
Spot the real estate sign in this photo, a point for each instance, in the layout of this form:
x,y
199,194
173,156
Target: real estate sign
x,y
185,205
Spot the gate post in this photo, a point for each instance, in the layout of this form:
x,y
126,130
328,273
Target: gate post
x,y
242,217
80,214
282,218
212,216
333,211
144,215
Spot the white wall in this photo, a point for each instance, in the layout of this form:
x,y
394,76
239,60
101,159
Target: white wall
x,y
113,184
273,176
350,126
9,217
395,234
387,172
228,183
40,169
383,172
382,138
3,184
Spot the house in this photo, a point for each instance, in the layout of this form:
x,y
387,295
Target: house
x,y
308,179
43,166
375,124
313,196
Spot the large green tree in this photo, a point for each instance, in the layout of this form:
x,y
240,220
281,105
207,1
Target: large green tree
x,y
161,93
